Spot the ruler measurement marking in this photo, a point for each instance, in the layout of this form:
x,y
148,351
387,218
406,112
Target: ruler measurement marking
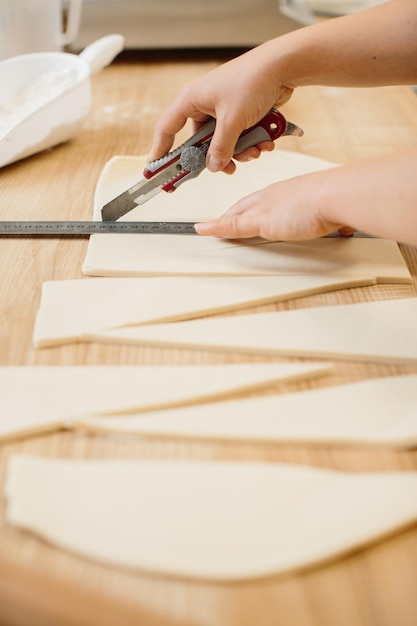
x,y
36,228
83,229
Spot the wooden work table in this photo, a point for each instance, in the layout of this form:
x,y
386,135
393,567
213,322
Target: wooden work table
x,y
40,584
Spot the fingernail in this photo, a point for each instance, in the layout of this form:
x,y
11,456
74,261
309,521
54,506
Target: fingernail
x,y
201,228
214,164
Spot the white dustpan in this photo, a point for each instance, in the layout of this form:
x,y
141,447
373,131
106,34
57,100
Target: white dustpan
x,y
45,96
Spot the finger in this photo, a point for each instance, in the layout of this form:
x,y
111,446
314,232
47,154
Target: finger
x,y
250,154
222,145
255,152
346,231
230,168
233,227
266,146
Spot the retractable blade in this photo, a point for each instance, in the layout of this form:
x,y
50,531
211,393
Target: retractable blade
x,y
189,160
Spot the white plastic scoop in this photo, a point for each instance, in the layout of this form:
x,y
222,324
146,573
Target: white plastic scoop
x,y
45,96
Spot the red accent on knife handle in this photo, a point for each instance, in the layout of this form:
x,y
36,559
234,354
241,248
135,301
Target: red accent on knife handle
x,y
269,128
175,182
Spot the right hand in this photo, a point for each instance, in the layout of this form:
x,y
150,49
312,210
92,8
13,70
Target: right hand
x,y
237,94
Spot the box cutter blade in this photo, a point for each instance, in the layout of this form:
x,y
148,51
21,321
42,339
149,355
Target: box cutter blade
x,y
189,160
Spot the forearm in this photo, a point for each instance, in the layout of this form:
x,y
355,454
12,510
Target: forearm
x,y
378,196
370,48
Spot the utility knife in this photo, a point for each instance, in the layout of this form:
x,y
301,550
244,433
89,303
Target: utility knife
x,y
189,160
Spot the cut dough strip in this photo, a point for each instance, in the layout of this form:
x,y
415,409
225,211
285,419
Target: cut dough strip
x,y
105,303
40,399
371,331
206,520
186,255
204,198
380,411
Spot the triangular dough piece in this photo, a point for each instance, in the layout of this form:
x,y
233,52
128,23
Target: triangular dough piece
x,y
206,197
370,331
40,399
105,303
206,520
380,411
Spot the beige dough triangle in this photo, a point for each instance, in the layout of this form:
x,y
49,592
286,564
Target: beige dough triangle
x,y
206,520
105,303
381,411
209,196
371,331
41,399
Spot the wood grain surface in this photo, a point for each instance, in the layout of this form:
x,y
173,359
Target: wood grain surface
x,y
40,584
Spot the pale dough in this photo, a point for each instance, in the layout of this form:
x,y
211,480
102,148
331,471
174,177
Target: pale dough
x,y
104,303
205,197
40,399
380,411
194,199
370,331
206,520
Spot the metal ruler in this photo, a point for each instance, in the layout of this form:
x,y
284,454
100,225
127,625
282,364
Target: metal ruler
x,y
81,229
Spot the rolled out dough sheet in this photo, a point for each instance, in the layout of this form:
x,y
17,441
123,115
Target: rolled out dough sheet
x,y
207,197
220,521
40,399
104,303
381,411
370,331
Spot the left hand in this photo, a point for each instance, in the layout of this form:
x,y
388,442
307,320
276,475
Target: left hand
x,y
284,211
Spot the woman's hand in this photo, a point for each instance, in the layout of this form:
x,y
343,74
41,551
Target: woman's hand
x,y
237,94
377,196
284,211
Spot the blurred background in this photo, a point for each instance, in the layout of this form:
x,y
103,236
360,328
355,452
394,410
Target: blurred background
x,y
156,24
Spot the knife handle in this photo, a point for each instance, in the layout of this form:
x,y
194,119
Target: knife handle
x,y
270,128
191,155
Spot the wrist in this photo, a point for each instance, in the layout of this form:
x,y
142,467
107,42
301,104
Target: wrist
x,y
328,201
